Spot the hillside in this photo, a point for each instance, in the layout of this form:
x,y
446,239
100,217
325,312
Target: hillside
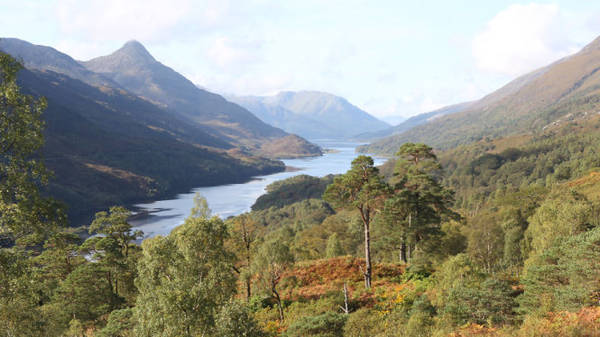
x,y
311,114
107,147
567,88
291,190
47,58
413,121
135,69
290,146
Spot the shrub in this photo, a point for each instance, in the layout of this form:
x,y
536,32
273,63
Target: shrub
x,y
329,324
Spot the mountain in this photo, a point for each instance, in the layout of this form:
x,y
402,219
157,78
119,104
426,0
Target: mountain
x,y
133,68
311,114
565,90
48,58
107,148
413,121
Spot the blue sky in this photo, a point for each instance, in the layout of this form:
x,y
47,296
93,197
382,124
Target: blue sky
x,y
392,58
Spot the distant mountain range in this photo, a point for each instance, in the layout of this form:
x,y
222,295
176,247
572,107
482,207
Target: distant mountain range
x,y
311,114
138,130
565,90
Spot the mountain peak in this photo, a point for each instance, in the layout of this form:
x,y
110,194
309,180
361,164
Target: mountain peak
x,y
135,50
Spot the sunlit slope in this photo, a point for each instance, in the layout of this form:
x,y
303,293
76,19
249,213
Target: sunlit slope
x,y
565,89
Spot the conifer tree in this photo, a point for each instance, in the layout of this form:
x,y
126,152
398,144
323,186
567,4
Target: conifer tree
x,y
363,189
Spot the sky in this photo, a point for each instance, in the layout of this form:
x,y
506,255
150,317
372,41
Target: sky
x,y
394,59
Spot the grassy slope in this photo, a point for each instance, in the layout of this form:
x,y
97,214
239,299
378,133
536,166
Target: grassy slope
x,y
526,105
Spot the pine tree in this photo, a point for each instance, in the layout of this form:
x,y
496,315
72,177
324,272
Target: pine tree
x,y
363,189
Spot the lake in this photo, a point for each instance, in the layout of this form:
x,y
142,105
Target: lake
x,y
235,199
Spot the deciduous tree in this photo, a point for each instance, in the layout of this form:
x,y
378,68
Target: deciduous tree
x,y
184,279
272,261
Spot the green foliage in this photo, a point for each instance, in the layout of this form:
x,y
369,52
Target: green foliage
x,y
299,225
300,215
288,191
235,320
561,215
364,323
25,215
489,301
244,236
114,249
27,218
200,209
544,160
515,236
486,241
184,279
19,311
413,214
329,324
360,188
334,247
85,295
272,260
120,324
564,276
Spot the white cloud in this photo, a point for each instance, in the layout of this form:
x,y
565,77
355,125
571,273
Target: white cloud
x,y
522,38
227,53
117,19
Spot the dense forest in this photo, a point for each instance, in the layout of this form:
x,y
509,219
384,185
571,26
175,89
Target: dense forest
x,y
495,238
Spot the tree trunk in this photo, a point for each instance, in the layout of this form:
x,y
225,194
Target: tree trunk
x,y
367,272
248,263
248,289
345,308
278,304
403,251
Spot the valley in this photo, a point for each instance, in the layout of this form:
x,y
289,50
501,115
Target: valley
x,y
231,170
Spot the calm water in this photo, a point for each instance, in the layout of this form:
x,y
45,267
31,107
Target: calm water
x,y
234,199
